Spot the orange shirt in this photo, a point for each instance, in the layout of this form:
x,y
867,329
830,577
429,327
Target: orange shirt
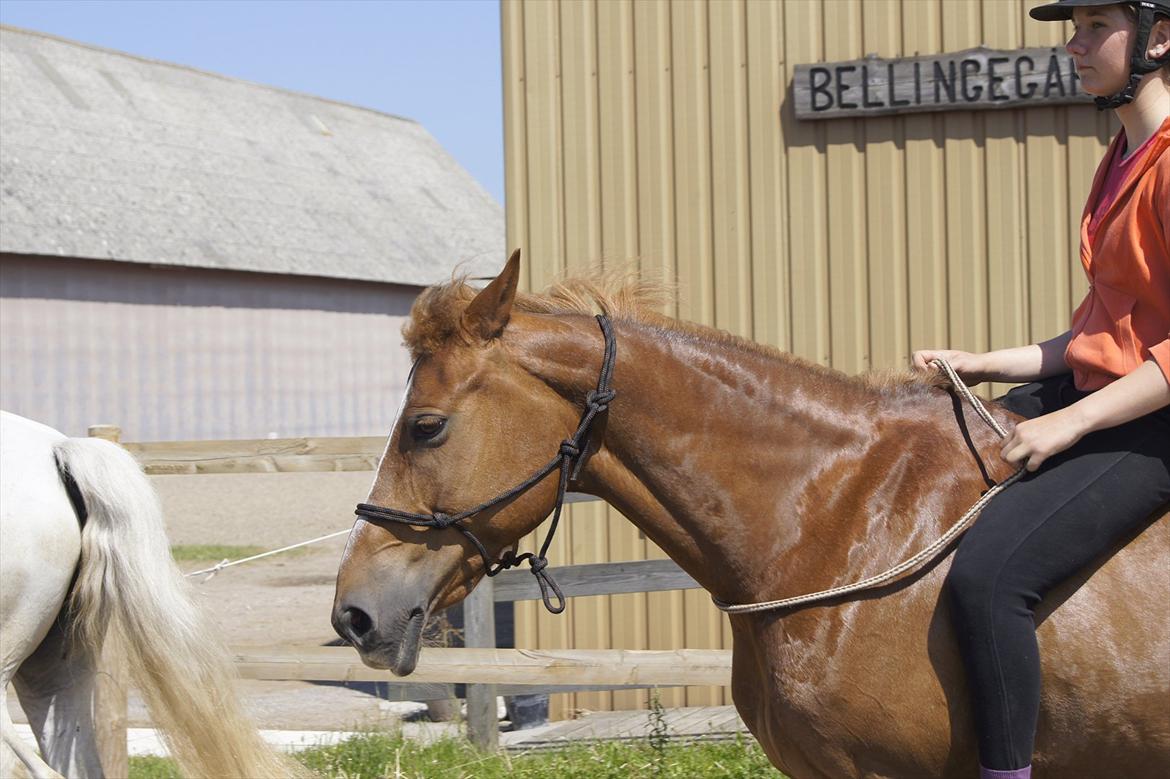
x,y
1125,318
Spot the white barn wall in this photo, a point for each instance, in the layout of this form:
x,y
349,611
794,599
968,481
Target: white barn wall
x,y
177,354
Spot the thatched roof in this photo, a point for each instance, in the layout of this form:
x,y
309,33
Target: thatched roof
x,y
108,156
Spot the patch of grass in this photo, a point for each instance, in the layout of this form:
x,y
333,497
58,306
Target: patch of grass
x,y
384,755
215,552
153,768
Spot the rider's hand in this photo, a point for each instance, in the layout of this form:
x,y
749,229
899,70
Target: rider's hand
x,y
969,366
1035,440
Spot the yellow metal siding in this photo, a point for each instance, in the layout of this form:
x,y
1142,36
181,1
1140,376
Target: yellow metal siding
x,y
661,134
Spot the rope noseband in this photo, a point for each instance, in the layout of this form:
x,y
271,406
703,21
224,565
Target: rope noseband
x,y
569,459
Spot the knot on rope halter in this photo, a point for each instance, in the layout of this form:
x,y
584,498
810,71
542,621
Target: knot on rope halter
x,y
570,449
546,583
442,520
599,400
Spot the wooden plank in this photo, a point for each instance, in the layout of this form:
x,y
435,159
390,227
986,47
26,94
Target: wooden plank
x,y
970,80
403,689
479,630
498,666
706,723
259,455
597,579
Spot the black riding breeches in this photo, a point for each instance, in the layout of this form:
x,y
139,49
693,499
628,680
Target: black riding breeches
x,y
1039,532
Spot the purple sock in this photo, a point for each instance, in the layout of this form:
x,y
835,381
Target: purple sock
x,y
1019,773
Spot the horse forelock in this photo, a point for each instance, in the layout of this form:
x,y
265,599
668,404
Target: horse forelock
x,y
622,295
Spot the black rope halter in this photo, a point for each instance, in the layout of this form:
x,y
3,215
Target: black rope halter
x,y
569,459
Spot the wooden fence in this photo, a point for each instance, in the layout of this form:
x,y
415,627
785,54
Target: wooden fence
x,y
485,670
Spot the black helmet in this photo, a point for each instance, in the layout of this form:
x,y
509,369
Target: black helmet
x,y
1139,64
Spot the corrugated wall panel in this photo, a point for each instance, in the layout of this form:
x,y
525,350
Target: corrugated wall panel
x,y
804,144
658,617
662,134
1007,282
180,354
926,227
885,202
768,165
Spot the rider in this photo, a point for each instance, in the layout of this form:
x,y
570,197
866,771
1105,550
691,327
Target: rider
x,y
1096,438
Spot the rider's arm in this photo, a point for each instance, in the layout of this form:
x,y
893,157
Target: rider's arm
x,y
1028,363
1019,364
1136,394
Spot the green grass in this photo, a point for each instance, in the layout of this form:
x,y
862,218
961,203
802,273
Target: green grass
x,y
153,768
212,552
388,756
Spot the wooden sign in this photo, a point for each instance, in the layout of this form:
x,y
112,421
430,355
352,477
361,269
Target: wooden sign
x,y
964,81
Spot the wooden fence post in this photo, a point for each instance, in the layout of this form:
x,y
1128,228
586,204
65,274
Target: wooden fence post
x,y
113,678
479,631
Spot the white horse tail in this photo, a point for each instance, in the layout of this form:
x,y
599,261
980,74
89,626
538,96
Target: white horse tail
x,y
129,589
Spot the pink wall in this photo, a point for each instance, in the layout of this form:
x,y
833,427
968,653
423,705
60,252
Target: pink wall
x,y
174,354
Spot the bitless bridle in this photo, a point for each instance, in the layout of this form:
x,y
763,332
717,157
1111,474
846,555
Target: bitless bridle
x,y
569,459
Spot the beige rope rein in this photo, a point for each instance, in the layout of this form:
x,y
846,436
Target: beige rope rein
x,y
923,556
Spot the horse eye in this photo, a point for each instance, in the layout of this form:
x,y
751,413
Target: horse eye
x,y
428,426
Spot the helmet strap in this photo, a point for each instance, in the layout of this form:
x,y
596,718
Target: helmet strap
x,y
1139,64
1121,98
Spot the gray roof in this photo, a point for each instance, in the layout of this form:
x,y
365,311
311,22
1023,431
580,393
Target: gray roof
x,y
104,155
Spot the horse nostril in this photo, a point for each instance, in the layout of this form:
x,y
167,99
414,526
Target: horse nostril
x,y
360,620
353,624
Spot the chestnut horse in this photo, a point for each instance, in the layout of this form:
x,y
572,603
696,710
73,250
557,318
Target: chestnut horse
x,y
762,476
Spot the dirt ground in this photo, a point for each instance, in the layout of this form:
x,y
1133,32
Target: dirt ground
x,y
284,599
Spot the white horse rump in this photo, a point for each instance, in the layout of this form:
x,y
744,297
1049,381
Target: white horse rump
x,y
67,585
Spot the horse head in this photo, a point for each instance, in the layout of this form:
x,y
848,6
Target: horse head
x,y
473,425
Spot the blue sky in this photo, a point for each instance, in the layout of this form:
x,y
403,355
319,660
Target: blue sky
x,y
434,61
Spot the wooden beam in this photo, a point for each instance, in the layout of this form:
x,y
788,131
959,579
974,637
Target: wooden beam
x,y
479,631
647,668
597,579
260,455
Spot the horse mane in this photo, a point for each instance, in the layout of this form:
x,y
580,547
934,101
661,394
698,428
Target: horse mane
x,y
622,295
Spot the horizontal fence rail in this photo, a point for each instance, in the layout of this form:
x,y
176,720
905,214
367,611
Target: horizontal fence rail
x,y
524,669
598,579
264,455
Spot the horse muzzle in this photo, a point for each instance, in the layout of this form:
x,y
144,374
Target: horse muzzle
x,y
389,637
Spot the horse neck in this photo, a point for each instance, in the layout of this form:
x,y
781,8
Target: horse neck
x,y
710,444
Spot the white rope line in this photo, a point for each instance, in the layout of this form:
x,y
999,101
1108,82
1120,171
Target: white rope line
x,y
923,556
213,570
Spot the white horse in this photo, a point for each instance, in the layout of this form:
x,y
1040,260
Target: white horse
x,y
78,566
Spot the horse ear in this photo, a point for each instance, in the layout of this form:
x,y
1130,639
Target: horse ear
x,y
489,312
